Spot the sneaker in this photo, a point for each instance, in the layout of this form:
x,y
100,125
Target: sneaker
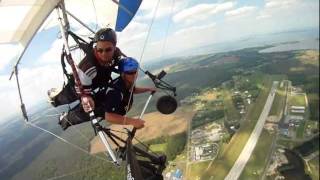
x,y
63,121
52,94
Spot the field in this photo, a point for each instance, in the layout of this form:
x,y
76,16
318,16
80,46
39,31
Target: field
x,y
195,170
301,129
156,125
231,151
279,101
254,71
232,114
296,100
257,162
158,147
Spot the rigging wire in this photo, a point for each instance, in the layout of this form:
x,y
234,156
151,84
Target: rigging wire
x,y
141,56
95,12
72,173
76,129
31,123
66,141
167,30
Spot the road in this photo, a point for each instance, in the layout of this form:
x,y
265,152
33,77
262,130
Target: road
x,y
243,158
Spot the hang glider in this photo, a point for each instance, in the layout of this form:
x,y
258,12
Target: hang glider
x,y
21,20
29,15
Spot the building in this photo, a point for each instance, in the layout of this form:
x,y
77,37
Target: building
x,y
298,109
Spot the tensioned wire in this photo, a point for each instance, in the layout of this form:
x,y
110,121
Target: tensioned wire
x,y
167,29
140,61
71,145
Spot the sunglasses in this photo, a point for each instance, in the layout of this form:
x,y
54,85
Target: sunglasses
x,y
131,73
101,50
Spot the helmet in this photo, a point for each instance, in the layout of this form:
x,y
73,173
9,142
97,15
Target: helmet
x,y
128,64
106,34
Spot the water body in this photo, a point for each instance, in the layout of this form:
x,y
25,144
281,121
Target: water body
x,y
308,38
301,45
295,168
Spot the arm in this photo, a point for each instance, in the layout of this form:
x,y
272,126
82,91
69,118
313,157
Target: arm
x,y
122,120
138,90
87,72
113,112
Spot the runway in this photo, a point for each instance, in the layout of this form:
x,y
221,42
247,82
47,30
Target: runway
x,y
243,158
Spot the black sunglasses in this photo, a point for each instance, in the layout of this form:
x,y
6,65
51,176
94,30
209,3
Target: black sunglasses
x,y
101,50
131,73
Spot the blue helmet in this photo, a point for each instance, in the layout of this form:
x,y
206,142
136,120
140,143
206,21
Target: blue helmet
x,y
128,64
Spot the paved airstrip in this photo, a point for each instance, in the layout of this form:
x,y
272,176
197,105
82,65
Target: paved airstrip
x,y
243,158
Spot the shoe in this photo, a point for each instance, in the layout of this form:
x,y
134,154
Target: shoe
x,y
52,94
63,121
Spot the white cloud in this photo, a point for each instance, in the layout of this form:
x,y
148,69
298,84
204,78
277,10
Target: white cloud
x,y
281,8
134,27
8,54
34,83
263,16
147,5
186,38
201,12
165,8
53,54
288,14
194,29
240,12
131,40
280,4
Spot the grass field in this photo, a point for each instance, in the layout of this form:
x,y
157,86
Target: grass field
x,y
288,143
232,113
313,100
178,163
279,100
259,157
226,159
300,129
156,125
158,147
296,100
195,170
310,57
311,126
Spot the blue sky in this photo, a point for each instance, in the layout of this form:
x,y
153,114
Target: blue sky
x,y
191,24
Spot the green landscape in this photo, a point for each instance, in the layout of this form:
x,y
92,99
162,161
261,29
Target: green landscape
x,y
232,78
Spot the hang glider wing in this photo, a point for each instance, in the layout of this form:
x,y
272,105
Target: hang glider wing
x,y
20,20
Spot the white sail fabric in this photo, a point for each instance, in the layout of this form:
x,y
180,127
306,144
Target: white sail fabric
x,y
101,13
21,19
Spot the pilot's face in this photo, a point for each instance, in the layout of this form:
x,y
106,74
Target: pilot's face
x,y
104,51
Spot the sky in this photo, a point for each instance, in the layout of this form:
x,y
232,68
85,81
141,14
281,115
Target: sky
x,y
177,27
